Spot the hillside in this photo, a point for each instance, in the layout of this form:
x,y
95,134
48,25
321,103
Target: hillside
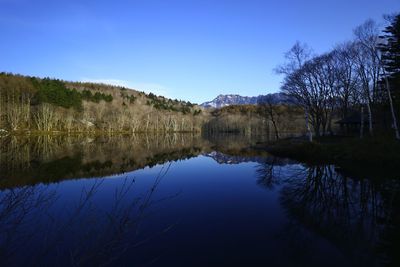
x,y
31,104
35,104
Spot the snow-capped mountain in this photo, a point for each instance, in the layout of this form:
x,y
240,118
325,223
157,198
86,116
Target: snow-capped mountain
x,y
223,158
227,100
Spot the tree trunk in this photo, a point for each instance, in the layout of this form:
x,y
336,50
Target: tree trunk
x,y
275,126
276,130
310,137
371,133
362,122
330,124
396,129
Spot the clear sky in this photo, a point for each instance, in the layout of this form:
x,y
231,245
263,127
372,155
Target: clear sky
x,y
190,50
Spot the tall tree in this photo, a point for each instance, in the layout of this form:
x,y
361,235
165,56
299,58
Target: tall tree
x,y
312,85
368,64
271,110
390,59
293,84
390,47
348,82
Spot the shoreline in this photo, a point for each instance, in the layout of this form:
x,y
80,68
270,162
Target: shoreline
x,y
372,157
95,133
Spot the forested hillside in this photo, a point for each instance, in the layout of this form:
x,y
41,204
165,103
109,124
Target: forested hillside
x,y
34,104
48,105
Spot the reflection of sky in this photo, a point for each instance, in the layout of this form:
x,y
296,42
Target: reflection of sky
x,y
201,213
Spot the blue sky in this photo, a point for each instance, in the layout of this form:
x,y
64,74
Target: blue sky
x,y
190,50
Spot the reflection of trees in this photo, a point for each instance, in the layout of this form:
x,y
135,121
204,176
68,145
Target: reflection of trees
x,y
268,174
32,159
349,213
80,234
389,242
335,206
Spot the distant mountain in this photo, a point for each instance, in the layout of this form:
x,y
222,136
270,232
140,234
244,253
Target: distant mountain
x,y
227,100
223,158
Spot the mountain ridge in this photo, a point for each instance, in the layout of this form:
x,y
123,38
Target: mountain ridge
x,y
235,99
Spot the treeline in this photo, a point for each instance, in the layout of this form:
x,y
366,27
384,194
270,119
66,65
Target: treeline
x,y
34,104
359,78
162,103
267,119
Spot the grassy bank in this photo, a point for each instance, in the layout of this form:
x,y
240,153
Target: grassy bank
x,y
377,157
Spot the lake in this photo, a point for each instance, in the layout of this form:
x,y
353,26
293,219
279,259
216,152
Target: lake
x,y
186,200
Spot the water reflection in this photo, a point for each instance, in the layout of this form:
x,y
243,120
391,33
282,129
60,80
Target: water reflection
x,y
47,230
353,215
34,159
43,159
200,192
269,171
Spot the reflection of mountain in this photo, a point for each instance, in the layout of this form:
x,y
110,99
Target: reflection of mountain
x,y
228,159
251,156
30,160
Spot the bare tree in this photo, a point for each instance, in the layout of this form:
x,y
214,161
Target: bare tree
x,y
272,111
295,58
313,88
347,78
368,64
45,118
14,114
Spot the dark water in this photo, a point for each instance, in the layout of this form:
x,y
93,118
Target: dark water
x,y
184,200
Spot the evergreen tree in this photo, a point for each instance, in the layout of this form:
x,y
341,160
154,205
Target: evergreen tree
x,y
391,49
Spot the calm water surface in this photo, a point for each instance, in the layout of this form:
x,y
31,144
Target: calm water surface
x,y
185,200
